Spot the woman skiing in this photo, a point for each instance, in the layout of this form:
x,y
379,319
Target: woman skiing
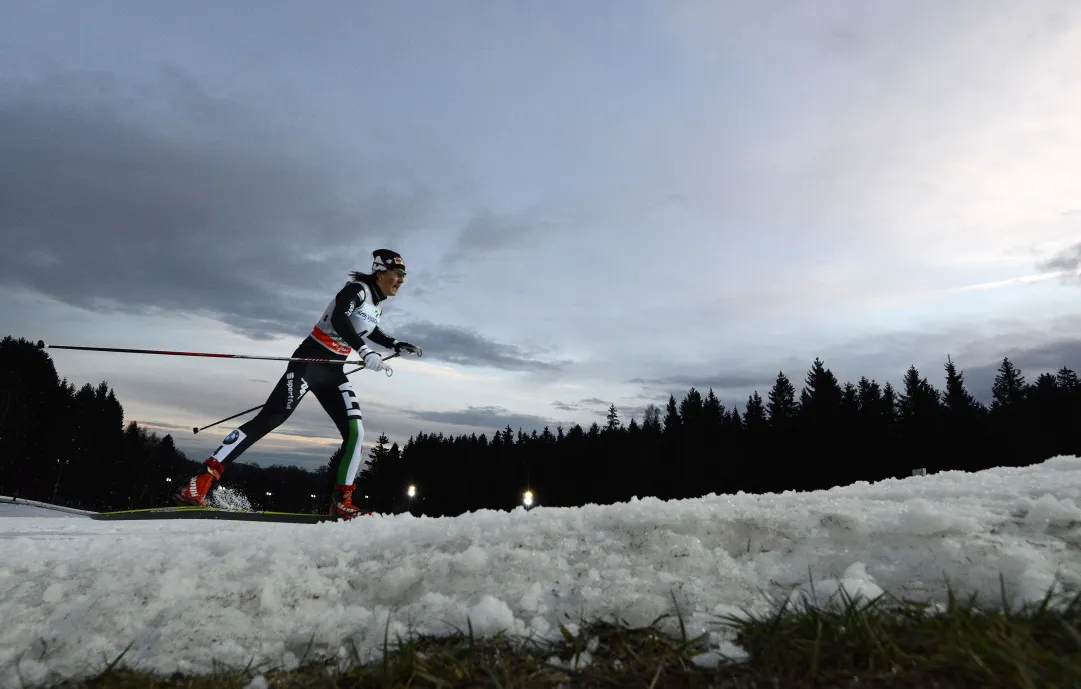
x,y
351,315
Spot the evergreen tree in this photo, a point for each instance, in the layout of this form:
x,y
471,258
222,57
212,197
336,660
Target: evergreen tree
x,y
613,419
962,418
782,405
651,419
712,413
821,396
957,399
691,410
1009,387
1068,381
672,422
869,397
850,407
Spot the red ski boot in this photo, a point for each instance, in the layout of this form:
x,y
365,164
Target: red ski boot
x,y
341,503
195,491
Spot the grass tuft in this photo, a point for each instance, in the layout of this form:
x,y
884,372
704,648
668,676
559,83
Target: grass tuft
x,y
846,642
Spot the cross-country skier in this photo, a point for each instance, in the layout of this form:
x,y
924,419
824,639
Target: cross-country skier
x,y
351,315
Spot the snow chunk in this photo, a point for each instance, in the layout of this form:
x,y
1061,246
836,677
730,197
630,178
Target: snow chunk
x,y
491,616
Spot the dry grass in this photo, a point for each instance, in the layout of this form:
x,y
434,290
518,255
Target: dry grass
x,y
857,643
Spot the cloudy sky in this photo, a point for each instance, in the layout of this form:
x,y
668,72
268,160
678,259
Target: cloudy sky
x,y
601,202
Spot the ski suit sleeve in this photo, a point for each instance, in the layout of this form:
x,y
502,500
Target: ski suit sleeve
x,y
347,300
381,338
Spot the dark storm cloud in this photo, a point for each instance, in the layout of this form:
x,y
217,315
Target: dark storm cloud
x,y
717,381
495,418
487,232
162,428
164,198
1068,260
886,358
484,233
461,346
593,406
1031,361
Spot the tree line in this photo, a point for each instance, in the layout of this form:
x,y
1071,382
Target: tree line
x,y
70,446
825,435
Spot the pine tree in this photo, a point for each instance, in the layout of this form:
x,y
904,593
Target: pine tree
x,y
1070,412
963,439
821,394
1009,387
672,422
920,400
712,414
613,419
782,403
735,423
890,411
651,419
379,451
691,410
850,402
1068,381
869,396
380,475
754,416
956,398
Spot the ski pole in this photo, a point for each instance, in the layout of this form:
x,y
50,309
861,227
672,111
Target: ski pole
x,y
242,413
42,345
196,429
228,418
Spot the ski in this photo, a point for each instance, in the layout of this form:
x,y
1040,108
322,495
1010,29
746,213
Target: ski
x,y
185,512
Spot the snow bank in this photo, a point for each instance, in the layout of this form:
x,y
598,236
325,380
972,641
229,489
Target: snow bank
x,y
192,593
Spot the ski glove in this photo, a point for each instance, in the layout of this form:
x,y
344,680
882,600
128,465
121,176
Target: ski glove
x,y
411,348
372,361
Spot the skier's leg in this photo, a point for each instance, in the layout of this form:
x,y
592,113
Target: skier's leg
x,y
279,406
335,392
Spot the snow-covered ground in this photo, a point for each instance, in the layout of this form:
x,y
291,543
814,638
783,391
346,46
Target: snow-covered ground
x,y
20,510
188,594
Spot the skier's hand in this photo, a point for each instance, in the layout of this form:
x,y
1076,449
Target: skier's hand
x,y
372,361
411,348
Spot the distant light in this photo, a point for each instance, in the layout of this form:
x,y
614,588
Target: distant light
x,y
412,490
268,492
527,498
313,495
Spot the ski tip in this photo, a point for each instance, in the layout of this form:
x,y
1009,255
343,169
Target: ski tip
x,y
195,429
41,344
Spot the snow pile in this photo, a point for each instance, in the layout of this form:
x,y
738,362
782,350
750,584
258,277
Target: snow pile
x,y
187,594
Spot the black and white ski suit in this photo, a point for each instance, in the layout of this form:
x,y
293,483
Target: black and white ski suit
x,y
351,315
